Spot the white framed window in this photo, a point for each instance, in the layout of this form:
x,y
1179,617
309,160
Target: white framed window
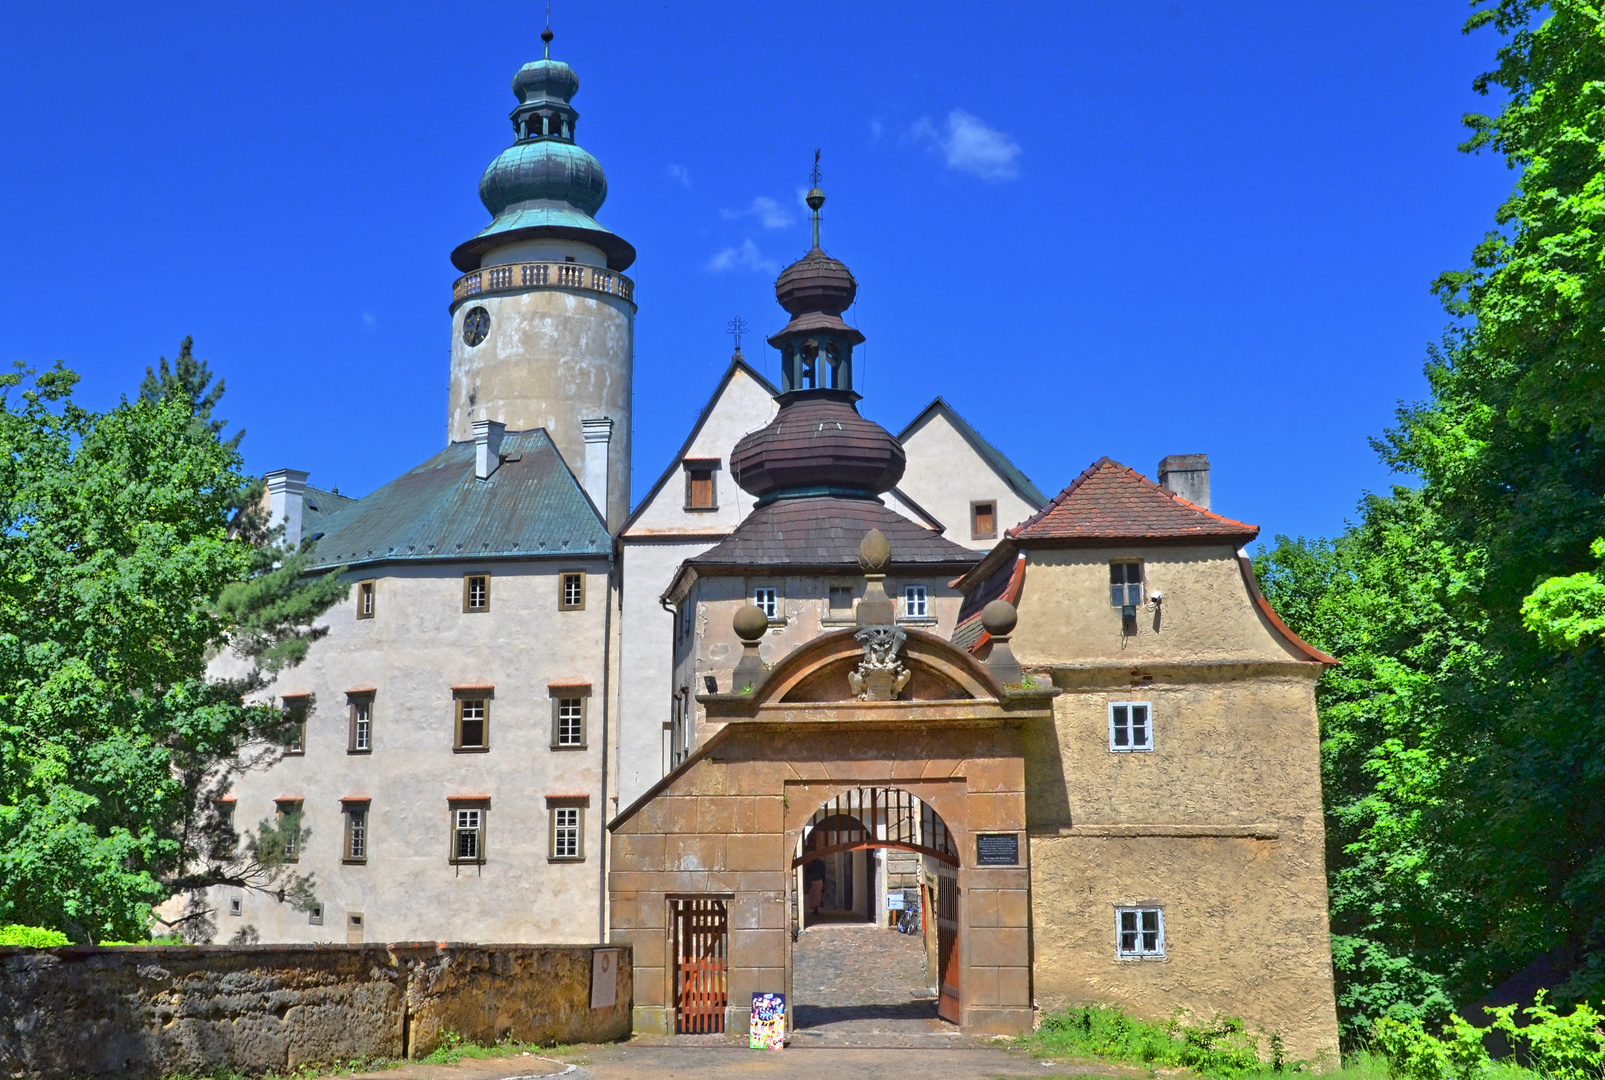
x,y
467,834
767,599
356,833
916,602
565,832
1131,726
1140,931
236,906
365,599
361,737
571,591
571,721
1125,584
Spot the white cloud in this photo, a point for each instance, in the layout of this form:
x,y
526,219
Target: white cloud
x,y
745,257
680,173
970,146
876,129
770,214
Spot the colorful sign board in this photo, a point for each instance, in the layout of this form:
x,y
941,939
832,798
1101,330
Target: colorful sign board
x,y
768,1028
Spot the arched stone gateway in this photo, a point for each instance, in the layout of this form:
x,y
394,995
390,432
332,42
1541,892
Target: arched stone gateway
x,y
803,759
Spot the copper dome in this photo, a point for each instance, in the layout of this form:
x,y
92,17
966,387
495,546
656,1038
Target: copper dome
x,y
818,441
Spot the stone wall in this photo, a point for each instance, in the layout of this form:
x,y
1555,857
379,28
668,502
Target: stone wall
x,y
149,1012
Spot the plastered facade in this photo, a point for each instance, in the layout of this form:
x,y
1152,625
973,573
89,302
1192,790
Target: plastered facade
x,y
418,645
1219,824
552,358
946,476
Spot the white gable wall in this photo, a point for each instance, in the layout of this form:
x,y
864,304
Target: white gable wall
x,y
946,474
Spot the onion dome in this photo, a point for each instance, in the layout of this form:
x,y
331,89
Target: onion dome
x,y
544,184
816,282
817,444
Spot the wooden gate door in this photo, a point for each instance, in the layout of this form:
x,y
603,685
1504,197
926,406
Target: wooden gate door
x,y
947,943
702,965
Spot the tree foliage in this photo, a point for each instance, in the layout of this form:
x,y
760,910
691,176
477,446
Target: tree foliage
x,y
1464,753
120,579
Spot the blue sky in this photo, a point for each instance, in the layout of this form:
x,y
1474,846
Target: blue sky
x,y
1122,229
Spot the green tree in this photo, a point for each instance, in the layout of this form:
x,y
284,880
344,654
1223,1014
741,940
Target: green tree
x,y
1471,749
133,551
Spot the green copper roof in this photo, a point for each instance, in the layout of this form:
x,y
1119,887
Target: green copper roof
x,y
544,184
529,507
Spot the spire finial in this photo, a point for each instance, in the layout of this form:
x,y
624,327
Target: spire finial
x,y
546,35
815,198
735,328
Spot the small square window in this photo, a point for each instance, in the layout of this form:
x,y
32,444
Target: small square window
x,y
288,814
983,520
1141,931
571,591
354,925
1130,726
567,829
365,599
1125,584
701,490
768,601
360,736
473,723
476,592
356,833
236,906
295,722
315,915
916,602
467,834
841,600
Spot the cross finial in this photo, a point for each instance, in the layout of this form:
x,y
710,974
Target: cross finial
x,y
735,328
546,35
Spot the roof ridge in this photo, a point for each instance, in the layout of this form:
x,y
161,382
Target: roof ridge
x,y
1121,516
993,456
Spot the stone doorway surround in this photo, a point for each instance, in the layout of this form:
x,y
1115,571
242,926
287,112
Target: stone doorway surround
x,y
728,821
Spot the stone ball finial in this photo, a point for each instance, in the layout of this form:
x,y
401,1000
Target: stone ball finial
x,y
999,618
875,552
750,623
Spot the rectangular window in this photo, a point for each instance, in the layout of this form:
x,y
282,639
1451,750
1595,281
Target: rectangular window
x,y
1141,931
468,834
571,591
315,915
359,739
916,603
295,720
1130,726
570,721
701,491
768,601
567,826
1125,584
476,592
841,600
236,906
364,599
288,815
983,520
473,723
356,832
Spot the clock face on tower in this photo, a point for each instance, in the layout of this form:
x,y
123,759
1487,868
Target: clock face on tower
x,y
476,324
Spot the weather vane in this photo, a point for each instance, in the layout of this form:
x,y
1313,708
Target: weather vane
x,y
815,198
815,176
546,35
735,328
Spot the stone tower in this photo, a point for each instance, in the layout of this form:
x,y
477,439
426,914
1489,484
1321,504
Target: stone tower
x,y
543,320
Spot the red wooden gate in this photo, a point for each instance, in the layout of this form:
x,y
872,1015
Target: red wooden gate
x,y
947,939
702,965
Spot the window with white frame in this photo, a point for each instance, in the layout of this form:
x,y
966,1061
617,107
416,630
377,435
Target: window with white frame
x,y
467,834
571,721
1141,931
767,599
356,832
1125,583
565,832
916,602
1130,726
361,736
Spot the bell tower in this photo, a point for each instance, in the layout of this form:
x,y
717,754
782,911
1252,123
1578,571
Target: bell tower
x,y
543,318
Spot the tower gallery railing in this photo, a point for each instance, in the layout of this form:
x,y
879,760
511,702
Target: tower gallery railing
x,y
532,275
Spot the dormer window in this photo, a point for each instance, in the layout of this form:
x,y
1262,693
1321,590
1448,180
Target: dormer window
x,y
701,492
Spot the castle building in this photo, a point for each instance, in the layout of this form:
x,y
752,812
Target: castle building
x,y
816,666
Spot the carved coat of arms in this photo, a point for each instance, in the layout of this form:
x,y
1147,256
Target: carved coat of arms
x,y
880,676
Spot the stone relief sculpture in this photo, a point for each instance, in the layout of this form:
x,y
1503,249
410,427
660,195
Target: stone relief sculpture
x,y
880,676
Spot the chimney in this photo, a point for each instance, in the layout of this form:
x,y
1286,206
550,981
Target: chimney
x,y
593,473
487,447
286,495
1186,475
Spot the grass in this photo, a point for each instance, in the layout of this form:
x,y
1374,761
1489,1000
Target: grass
x,y
454,1048
1221,1050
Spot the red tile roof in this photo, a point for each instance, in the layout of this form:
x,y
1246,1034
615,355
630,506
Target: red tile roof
x,y
1111,501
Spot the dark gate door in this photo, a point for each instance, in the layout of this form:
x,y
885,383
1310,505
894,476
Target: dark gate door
x,y
702,964
947,942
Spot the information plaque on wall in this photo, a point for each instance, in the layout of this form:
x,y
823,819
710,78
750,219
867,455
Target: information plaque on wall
x,y
997,849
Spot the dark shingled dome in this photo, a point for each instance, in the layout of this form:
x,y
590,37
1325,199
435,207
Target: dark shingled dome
x,y
816,282
818,440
